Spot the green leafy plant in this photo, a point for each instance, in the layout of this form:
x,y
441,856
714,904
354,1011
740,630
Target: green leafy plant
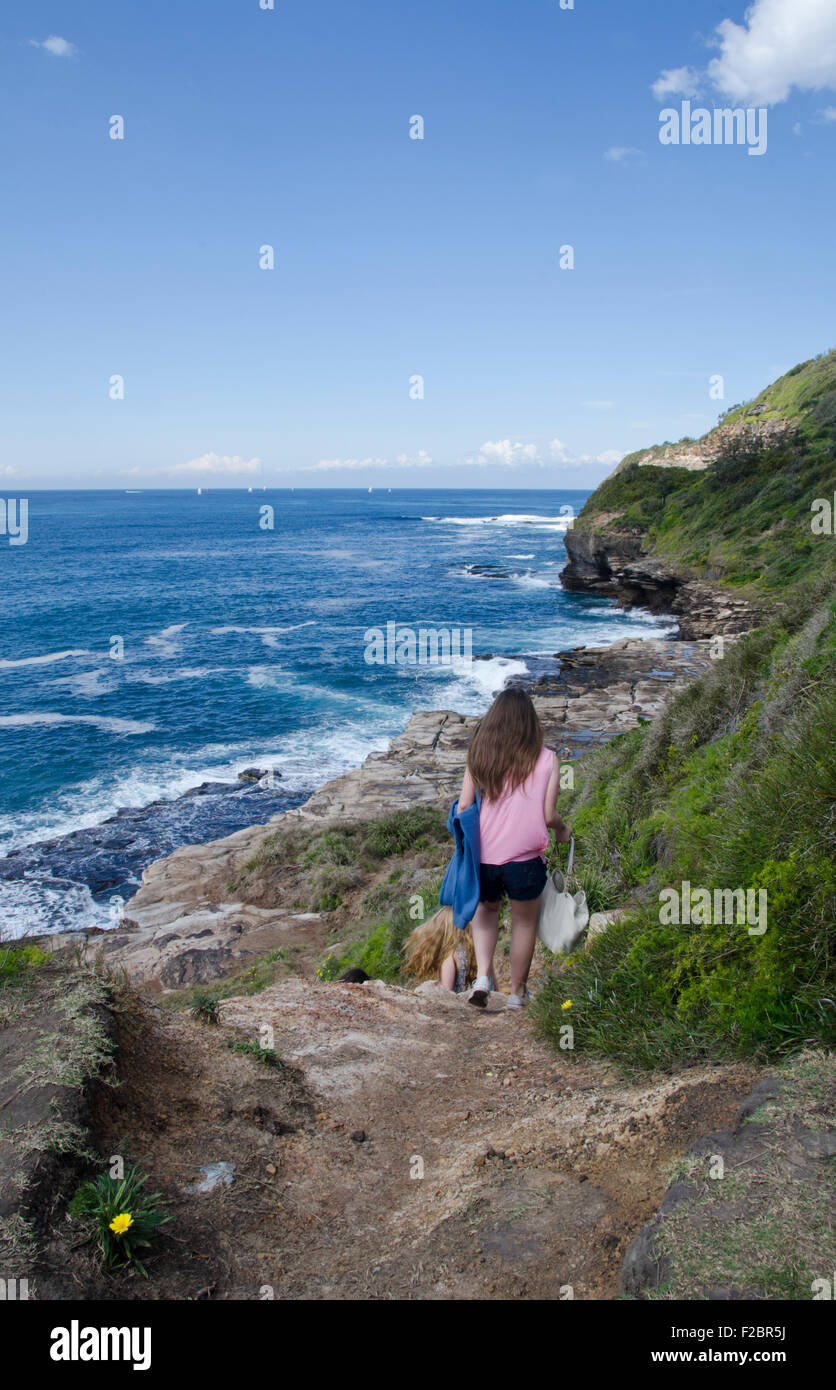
x,y
204,1007
330,968
124,1217
248,1048
15,959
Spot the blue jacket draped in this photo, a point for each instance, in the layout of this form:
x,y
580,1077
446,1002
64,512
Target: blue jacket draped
x,y
460,886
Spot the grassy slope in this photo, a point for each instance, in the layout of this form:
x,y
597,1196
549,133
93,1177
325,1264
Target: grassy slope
x,y
746,519
734,787
765,1226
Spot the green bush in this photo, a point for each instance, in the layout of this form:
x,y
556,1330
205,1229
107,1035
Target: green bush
x,y
16,959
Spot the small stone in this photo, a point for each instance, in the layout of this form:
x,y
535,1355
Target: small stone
x,y
270,1168
359,1136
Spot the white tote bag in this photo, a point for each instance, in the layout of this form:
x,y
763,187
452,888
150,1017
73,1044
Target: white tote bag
x,y
563,915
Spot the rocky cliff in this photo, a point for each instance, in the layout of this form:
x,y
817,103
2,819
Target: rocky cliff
x,y
709,530
618,564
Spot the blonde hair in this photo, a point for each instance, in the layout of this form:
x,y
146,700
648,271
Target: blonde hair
x,y
431,943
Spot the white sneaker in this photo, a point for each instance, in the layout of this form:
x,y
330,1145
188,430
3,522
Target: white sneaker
x,y
516,1001
480,991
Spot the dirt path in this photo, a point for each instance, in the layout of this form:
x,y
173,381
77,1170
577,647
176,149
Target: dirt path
x,y
538,1169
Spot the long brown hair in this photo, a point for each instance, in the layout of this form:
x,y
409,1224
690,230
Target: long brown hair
x,y
506,744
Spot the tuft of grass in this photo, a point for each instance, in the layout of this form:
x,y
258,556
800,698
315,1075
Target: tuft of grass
x,y
247,1047
320,869
204,1007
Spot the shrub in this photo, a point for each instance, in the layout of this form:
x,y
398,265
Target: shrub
x,y
204,1007
17,958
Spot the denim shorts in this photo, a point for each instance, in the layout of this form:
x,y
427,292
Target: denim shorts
x,y
522,882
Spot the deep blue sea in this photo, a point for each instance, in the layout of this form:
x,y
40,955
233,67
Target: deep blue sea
x,y
241,645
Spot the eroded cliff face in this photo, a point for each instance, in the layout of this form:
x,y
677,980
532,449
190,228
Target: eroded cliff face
x,y
605,560
616,560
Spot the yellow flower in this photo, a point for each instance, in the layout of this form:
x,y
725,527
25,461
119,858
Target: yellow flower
x,y
567,1005
120,1224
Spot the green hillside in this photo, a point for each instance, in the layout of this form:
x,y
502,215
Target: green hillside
x,y
745,520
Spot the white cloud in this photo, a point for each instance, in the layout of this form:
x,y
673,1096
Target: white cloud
x,y
328,465
419,460
58,47
828,114
506,454
619,153
7,470
781,44
558,452
599,405
215,463
681,82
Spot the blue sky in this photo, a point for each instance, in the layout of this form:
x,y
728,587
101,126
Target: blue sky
x,y
395,257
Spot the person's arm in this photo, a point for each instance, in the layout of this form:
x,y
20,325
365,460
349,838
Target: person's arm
x,y
554,821
467,796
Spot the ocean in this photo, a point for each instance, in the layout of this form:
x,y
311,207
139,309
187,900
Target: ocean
x,y
156,643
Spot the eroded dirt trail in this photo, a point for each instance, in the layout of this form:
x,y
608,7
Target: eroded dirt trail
x,y
538,1168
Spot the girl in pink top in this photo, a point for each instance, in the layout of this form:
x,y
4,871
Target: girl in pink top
x,y
518,779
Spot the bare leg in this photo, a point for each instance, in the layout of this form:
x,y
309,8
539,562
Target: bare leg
x,y
485,932
523,937
448,972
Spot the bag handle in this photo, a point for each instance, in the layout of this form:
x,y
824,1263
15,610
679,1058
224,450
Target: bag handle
x,y
556,864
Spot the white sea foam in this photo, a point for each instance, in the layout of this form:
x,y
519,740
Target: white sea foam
x,y
185,673
530,580
305,758
269,678
89,684
42,904
268,635
472,691
165,641
531,520
47,658
46,718
471,685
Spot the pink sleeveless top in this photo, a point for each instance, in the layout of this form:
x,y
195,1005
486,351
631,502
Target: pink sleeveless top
x,y
514,827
